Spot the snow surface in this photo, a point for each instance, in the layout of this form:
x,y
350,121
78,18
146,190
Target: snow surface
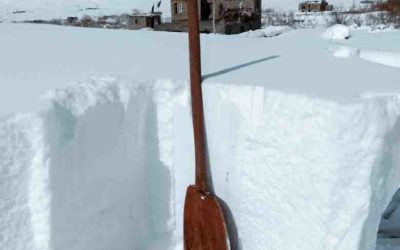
x,y
287,62
305,158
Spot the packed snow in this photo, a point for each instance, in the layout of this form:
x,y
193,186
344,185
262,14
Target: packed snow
x,y
97,151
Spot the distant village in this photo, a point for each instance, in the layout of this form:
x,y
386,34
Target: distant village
x,y
231,16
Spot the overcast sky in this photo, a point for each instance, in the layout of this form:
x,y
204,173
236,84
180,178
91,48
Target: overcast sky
x,y
141,4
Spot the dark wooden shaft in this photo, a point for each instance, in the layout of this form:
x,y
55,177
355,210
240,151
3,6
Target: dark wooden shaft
x,y
197,99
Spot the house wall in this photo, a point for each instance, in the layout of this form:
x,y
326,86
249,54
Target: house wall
x,y
180,15
139,22
315,7
179,8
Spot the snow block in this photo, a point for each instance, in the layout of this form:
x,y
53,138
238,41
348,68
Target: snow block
x,y
107,166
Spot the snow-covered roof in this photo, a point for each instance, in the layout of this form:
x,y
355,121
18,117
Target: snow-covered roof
x,y
313,1
147,14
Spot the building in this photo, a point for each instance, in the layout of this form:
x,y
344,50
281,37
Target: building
x,y
232,16
367,5
129,21
140,21
315,6
71,20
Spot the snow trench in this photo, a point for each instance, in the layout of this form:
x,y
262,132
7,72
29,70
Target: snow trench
x,y
107,165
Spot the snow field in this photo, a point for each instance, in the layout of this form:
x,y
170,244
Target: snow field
x,y
305,158
111,160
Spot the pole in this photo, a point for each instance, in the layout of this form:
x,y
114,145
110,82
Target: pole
x,y
197,99
214,9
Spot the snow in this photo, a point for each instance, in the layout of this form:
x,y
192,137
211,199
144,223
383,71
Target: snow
x,y
337,32
385,58
269,31
344,52
24,172
78,54
304,146
120,160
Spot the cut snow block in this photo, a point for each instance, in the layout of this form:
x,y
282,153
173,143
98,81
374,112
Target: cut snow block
x,y
109,188
107,167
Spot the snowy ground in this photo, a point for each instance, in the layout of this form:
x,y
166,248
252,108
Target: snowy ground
x,y
73,54
307,157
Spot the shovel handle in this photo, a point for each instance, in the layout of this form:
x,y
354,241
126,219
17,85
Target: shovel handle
x,y
197,98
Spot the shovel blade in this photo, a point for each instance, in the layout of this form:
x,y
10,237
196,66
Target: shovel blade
x,y
204,223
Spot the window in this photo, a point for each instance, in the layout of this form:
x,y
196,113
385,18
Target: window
x,y
180,8
175,8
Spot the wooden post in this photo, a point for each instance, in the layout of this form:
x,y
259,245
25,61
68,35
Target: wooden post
x,y
197,99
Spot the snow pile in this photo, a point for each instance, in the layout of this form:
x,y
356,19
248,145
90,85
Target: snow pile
x,y
106,167
337,32
269,31
385,58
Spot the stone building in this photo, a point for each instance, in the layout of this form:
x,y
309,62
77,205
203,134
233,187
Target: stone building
x,y
315,6
150,20
232,16
130,21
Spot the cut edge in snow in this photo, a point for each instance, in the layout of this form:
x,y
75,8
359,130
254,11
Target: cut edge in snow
x,y
107,116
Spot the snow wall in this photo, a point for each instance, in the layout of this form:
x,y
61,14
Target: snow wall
x,y
107,165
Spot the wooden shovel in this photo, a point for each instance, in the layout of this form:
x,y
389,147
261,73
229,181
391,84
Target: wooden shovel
x,y
204,223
